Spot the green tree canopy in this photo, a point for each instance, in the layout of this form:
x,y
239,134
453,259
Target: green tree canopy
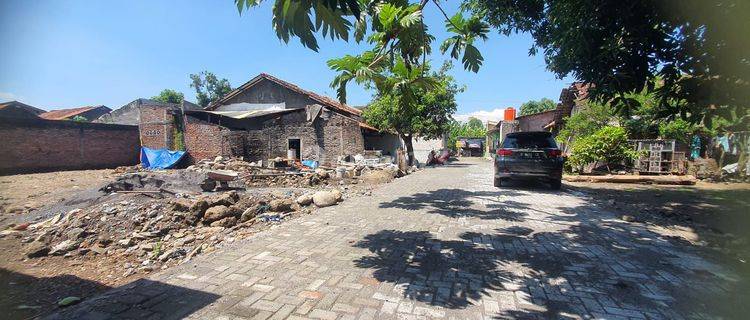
x,y
536,106
697,49
209,88
169,96
411,105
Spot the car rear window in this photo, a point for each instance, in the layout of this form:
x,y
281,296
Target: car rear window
x,y
536,141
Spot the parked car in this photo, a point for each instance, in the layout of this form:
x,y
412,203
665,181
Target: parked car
x,y
529,155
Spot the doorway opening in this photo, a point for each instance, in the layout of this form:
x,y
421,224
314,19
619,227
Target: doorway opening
x,y
296,145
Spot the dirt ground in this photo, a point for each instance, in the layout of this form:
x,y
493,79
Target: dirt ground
x,y
32,286
21,193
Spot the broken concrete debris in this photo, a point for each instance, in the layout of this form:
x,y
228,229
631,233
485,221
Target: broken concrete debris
x,y
149,220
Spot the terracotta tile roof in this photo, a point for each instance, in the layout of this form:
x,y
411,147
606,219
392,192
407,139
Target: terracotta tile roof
x,y
63,114
326,101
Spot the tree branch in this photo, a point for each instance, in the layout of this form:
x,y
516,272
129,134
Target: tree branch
x,y
445,15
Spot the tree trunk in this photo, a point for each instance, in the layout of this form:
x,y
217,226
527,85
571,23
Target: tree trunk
x,y
409,149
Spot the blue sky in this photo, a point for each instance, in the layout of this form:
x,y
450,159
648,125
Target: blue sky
x,y
61,54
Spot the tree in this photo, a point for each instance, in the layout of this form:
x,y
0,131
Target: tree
x,y
534,106
475,124
408,104
169,96
393,28
696,48
208,88
472,128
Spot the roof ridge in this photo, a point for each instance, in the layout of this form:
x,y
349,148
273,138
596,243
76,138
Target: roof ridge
x,y
291,86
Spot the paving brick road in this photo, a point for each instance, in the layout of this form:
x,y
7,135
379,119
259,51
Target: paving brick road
x,y
440,244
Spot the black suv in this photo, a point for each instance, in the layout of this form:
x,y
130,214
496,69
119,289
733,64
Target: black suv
x,y
527,155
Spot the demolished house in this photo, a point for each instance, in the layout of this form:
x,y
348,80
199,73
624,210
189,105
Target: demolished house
x,y
269,118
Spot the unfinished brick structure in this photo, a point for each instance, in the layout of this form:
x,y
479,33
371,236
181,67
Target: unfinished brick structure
x,y
266,117
160,127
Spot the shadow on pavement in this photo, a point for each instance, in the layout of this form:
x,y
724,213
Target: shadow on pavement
x,y
26,297
457,203
592,264
141,299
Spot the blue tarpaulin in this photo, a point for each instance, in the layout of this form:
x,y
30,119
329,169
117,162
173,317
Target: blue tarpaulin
x,y
159,158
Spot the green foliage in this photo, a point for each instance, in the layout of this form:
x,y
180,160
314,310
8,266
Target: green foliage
x,y
608,145
405,104
586,121
208,88
534,106
169,96
79,119
466,31
474,128
678,129
393,28
178,142
692,50
156,252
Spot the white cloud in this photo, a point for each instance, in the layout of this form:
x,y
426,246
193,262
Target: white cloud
x,y
484,115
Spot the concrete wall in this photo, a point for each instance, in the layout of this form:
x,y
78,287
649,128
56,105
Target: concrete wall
x,y
422,147
36,145
386,142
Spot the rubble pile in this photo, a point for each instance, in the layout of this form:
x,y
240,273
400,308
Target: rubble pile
x,y
147,234
254,174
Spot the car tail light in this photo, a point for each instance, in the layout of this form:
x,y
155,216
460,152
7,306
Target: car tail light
x,y
554,153
504,152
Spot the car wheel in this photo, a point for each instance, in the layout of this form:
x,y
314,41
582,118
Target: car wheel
x,y
556,184
498,182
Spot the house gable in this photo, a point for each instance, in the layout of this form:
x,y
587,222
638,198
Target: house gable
x,y
265,91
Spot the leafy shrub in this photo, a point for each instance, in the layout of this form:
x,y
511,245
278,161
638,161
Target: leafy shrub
x,y
678,129
608,145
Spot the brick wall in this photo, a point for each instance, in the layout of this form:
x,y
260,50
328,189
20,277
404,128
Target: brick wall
x,y
157,127
36,145
202,139
330,136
